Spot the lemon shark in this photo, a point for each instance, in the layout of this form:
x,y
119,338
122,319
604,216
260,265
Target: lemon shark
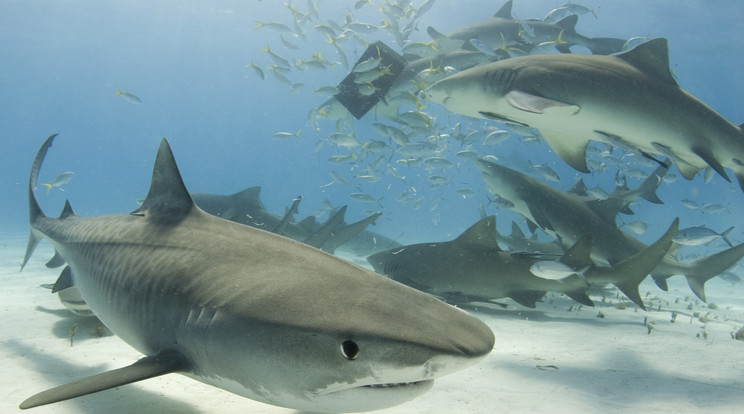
x,y
474,267
246,207
629,99
246,310
568,217
502,31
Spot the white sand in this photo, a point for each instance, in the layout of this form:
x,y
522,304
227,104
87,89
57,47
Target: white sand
x,y
545,360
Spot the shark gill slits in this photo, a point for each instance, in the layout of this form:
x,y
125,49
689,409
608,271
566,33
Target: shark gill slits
x,y
350,350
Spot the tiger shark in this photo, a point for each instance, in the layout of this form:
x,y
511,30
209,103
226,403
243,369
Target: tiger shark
x,y
246,310
568,217
473,266
629,99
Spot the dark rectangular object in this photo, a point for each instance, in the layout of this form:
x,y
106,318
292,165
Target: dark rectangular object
x,y
349,94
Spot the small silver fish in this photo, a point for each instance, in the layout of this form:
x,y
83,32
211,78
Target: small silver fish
x,y
555,270
286,135
699,235
128,96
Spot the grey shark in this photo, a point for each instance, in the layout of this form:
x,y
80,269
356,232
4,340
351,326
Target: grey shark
x,y
630,99
569,218
502,30
246,310
246,207
473,267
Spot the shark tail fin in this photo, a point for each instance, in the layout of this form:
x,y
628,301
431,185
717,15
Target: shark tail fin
x,y
725,235
647,189
635,268
147,367
700,271
34,210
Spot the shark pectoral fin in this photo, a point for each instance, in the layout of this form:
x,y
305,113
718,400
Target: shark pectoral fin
x,y
580,296
537,104
55,261
687,170
711,160
577,257
661,281
500,118
540,218
527,298
164,363
64,280
569,147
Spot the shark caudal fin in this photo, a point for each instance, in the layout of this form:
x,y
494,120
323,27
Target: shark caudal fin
x,y
701,270
630,272
34,210
148,367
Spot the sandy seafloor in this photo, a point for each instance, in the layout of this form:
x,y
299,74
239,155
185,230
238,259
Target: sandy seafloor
x,y
547,359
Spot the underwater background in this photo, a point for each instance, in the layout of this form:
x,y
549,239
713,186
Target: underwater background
x,y
189,64
62,62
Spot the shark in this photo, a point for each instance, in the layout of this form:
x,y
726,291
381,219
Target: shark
x,y
246,207
474,267
568,217
246,310
502,31
629,99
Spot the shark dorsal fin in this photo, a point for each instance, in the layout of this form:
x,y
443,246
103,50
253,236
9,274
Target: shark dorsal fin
x,y
577,257
168,201
148,367
569,23
481,233
516,231
67,211
250,197
579,188
505,12
607,209
651,58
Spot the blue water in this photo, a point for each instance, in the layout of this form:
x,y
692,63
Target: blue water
x,y
63,60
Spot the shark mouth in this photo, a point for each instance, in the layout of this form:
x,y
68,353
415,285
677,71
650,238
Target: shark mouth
x,y
397,384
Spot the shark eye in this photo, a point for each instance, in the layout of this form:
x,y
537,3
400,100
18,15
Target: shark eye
x,y
350,350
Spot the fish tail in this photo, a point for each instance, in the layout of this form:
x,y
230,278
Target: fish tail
x,y
34,209
634,269
725,238
48,186
700,271
118,91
